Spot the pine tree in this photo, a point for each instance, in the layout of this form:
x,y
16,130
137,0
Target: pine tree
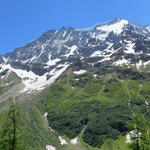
x,y
10,137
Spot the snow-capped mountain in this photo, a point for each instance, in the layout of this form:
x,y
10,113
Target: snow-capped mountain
x,y
42,61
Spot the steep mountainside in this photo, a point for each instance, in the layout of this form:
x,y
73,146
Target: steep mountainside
x,y
42,61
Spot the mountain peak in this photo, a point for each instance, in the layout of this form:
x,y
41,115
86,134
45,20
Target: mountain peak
x,y
116,25
111,22
116,20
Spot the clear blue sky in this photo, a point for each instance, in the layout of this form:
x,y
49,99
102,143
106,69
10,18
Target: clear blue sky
x,y
22,21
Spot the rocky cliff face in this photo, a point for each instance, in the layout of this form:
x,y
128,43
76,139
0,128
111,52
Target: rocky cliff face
x,y
42,61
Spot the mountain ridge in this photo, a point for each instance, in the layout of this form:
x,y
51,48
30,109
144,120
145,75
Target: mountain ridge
x,y
116,42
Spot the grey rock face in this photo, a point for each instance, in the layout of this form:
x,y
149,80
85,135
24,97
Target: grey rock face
x,y
111,42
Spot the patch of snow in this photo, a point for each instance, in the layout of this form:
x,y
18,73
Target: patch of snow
x,y
121,62
5,59
105,59
117,27
6,75
7,84
74,141
33,58
95,75
97,54
2,77
77,79
45,115
132,134
60,43
139,64
42,49
26,60
72,50
146,103
128,138
35,82
129,103
79,72
50,147
62,141
140,85
52,62
130,49
104,54
81,58
64,33
51,129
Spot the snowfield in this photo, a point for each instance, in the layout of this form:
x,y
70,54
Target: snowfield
x,y
35,82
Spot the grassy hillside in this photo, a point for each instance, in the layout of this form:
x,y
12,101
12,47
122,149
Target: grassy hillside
x,y
98,102
8,80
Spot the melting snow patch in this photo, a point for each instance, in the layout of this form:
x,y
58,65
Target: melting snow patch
x,y
77,79
7,84
132,134
52,62
45,115
5,59
62,141
130,49
49,147
79,72
72,50
128,138
51,129
139,64
74,141
95,75
121,62
146,103
96,54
